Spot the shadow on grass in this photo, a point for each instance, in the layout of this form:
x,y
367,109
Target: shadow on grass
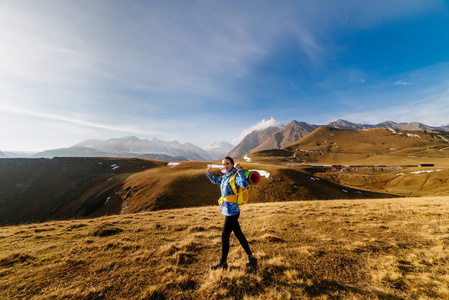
x,y
333,288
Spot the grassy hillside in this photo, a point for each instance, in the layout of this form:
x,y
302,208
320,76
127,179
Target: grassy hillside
x,y
378,160
186,185
66,188
376,163
372,147
34,190
340,249
416,182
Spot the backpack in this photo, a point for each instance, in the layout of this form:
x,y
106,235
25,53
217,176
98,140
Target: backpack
x,y
241,194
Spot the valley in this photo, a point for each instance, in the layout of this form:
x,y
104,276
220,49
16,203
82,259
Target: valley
x,y
338,214
328,163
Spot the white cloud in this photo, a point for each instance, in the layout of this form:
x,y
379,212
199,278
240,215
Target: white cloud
x,y
259,126
400,82
432,110
74,120
308,42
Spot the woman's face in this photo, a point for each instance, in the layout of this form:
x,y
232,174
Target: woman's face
x,y
227,166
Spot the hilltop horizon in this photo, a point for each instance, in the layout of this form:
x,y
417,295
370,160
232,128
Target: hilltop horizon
x,y
262,125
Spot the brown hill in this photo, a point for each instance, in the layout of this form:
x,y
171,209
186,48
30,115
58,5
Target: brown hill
x,y
372,147
416,182
375,163
294,131
186,185
36,190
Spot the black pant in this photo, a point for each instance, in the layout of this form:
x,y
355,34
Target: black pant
x,y
232,224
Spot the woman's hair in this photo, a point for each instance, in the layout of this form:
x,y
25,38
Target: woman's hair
x,y
230,159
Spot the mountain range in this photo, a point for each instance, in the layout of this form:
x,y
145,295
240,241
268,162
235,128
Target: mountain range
x,y
132,146
292,132
268,138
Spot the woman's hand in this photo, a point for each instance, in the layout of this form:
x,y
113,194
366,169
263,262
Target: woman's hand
x,y
237,166
209,168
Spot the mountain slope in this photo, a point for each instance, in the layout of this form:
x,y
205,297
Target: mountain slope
x,y
376,140
36,190
251,141
371,146
219,149
344,124
285,136
295,130
413,126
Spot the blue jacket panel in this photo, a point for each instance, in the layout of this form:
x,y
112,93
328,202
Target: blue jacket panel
x,y
229,208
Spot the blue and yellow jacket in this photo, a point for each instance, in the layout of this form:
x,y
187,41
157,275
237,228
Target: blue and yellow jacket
x,y
229,208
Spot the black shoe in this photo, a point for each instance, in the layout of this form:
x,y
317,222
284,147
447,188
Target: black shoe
x,y
219,265
251,262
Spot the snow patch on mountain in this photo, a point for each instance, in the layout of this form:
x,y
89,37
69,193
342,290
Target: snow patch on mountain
x,y
219,149
131,146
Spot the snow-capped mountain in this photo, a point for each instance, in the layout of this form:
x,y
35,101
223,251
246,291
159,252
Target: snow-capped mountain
x,y
132,146
344,124
219,149
405,126
445,127
18,154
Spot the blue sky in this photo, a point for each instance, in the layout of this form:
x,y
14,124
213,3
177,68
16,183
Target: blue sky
x,y
199,71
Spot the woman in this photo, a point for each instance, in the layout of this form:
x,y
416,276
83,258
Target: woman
x,y
231,210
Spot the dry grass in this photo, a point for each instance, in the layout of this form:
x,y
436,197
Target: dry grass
x,y
340,249
377,146
410,182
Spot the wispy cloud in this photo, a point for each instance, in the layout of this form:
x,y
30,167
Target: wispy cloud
x,y
308,42
121,128
259,126
400,82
